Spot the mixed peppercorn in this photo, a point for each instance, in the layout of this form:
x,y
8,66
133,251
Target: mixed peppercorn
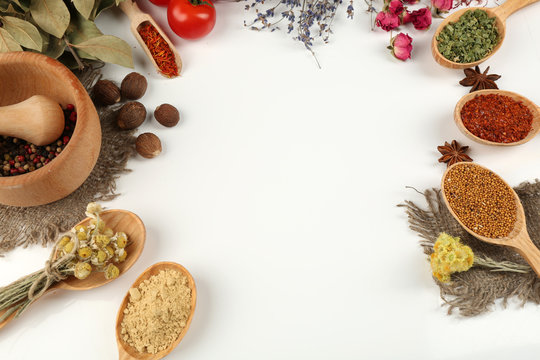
x,y
21,157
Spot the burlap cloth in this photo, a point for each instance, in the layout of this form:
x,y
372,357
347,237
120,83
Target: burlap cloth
x,y
41,224
474,292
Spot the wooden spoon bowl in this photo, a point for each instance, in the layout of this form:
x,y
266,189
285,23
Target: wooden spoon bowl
x,y
535,111
126,352
518,239
22,75
500,13
118,220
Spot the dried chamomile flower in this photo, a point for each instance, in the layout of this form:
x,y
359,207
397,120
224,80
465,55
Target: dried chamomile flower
x,y
68,248
111,272
93,209
84,253
82,236
81,228
110,251
82,270
121,239
98,225
101,240
108,232
122,254
99,257
63,241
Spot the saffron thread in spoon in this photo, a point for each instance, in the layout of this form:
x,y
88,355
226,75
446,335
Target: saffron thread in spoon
x,y
159,49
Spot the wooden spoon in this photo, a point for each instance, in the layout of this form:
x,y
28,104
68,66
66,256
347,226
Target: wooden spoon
x,y
118,220
139,18
518,239
38,120
126,352
500,13
535,111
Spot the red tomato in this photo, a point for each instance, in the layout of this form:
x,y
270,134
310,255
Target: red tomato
x,y
191,19
160,2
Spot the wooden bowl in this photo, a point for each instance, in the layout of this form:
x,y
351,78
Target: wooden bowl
x,y
23,74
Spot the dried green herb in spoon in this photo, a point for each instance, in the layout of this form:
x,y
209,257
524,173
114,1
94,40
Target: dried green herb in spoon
x,y
469,39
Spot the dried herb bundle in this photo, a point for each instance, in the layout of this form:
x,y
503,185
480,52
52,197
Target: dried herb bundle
x,y
61,29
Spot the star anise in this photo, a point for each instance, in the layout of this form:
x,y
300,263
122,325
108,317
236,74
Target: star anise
x,y
453,153
478,80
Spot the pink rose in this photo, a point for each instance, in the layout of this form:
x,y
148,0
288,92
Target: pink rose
x,y
401,46
421,19
395,7
387,21
442,5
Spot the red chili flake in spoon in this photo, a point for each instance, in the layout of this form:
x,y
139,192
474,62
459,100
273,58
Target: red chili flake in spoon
x,y
497,118
159,49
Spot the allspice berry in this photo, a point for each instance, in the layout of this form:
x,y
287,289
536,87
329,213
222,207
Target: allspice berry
x,y
148,145
133,86
167,115
131,115
106,92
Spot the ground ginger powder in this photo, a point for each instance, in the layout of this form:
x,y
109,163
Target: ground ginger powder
x,y
157,312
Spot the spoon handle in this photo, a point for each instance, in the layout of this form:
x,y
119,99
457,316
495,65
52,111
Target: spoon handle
x,y
510,7
525,247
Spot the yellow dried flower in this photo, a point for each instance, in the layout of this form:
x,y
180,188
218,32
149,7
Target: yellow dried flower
x,y
108,231
69,247
111,272
122,256
121,240
98,225
99,257
82,236
84,253
101,240
110,251
82,228
82,270
63,241
450,256
93,208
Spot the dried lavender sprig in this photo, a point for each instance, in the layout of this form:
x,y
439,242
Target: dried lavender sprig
x,y
302,15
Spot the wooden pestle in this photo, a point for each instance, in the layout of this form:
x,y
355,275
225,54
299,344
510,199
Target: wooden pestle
x,y
38,120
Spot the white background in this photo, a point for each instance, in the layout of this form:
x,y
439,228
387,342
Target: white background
x,y
278,192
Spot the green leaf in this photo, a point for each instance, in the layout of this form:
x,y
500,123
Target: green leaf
x,y
101,5
84,7
7,42
50,15
23,32
109,49
80,30
55,47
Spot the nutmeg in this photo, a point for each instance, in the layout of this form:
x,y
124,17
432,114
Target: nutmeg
x,y
148,145
131,115
133,86
167,115
106,92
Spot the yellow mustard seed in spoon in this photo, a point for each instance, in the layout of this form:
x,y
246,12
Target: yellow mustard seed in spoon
x,y
481,200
